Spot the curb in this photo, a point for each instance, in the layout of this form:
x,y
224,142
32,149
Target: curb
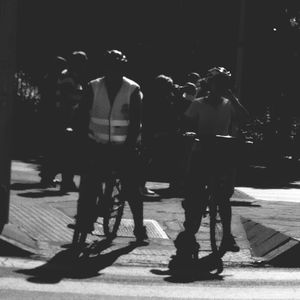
x,y
271,246
15,236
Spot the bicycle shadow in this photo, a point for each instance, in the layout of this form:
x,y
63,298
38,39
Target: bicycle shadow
x,y
42,194
20,186
76,264
203,270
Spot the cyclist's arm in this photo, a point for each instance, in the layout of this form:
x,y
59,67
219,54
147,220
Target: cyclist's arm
x,y
82,114
135,118
241,114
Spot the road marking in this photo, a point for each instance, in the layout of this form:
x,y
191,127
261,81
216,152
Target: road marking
x,y
287,195
23,167
165,291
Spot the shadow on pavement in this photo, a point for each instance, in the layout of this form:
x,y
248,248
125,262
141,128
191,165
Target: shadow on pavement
x,y
203,271
244,203
76,264
288,259
9,250
280,175
42,194
168,193
25,186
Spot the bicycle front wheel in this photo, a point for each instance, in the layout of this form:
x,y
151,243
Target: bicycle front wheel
x,y
216,229
114,208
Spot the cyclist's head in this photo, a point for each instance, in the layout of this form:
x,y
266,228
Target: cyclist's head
x,y
115,62
193,77
78,62
219,79
57,65
190,88
163,84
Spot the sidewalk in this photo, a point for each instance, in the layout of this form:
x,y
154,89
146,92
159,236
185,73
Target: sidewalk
x,y
39,218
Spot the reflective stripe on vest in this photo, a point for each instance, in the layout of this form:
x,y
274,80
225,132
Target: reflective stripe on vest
x,y
110,123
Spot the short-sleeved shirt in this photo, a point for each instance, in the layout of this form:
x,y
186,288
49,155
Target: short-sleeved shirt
x,y
209,119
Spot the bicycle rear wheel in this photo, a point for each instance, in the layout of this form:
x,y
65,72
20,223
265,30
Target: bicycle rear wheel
x,y
114,208
216,229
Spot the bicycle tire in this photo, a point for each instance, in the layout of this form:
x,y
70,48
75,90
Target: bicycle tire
x,y
216,229
114,209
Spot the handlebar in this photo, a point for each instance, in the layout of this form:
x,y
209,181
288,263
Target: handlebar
x,y
193,136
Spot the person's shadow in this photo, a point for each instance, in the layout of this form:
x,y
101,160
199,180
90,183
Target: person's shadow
x,y
206,268
77,263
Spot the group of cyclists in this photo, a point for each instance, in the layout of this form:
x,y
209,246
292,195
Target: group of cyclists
x,y
108,122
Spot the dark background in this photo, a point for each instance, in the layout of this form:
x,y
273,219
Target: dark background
x,y
158,36
170,36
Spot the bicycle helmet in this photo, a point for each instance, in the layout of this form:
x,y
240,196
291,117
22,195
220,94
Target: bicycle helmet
x,y
78,58
219,71
116,56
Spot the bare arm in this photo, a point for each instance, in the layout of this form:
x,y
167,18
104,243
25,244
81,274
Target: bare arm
x,y
82,114
241,113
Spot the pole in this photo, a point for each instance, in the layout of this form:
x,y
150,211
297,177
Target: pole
x,y
240,50
8,21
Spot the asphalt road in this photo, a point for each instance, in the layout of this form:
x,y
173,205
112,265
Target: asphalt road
x,y
117,282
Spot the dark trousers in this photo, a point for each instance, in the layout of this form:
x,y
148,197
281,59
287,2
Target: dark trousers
x,y
201,166
100,160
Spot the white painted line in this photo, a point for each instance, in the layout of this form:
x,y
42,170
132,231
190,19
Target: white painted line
x,y
23,167
166,291
287,195
157,227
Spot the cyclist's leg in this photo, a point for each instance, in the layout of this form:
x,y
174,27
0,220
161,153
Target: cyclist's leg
x,y
223,195
89,188
130,179
86,212
196,194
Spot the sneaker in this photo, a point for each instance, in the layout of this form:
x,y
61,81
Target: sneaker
x,y
229,244
145,192
48,183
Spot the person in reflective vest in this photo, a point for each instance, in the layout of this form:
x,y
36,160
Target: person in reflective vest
x,y
110,123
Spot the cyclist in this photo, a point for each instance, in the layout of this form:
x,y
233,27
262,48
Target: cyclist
x,y
71,90
209,116
110,122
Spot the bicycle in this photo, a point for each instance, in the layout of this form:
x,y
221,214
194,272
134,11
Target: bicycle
x,y
210,147
110,206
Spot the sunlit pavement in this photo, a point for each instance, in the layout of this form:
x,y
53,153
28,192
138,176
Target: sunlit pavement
x,y
20,279
38,222
39,219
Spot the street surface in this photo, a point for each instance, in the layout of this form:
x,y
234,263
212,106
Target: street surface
x,y
116,282
142,273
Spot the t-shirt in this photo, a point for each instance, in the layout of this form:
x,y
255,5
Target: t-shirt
x,y
209,119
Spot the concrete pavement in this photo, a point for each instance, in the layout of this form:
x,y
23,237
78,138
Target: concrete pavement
x,y
38,220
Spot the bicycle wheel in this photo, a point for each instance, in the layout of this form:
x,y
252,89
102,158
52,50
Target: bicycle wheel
x,y
216,229
114,208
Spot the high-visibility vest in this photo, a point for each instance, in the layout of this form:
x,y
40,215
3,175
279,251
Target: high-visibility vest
x,y
109,123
